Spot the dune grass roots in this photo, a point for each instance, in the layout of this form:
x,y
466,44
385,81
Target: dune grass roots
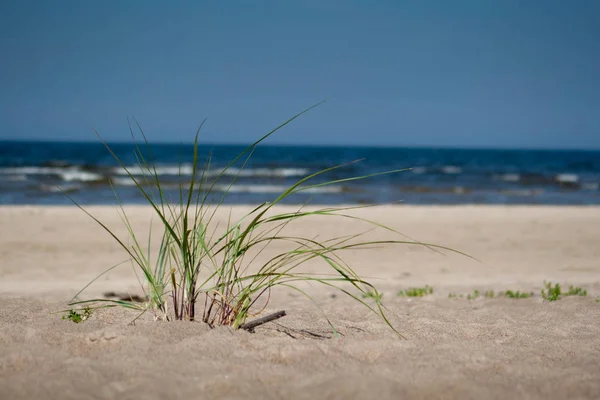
x,y
201,273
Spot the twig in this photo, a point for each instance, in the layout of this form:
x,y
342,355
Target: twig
x,y
249,326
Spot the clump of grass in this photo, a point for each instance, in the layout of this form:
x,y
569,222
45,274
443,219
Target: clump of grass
x,y
201,275
517,294
78,316
489,294
416,291
474,295
554,293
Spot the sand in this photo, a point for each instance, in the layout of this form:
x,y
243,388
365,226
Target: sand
x,y
454,348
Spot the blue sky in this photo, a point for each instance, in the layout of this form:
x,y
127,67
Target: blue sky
x,y
419,73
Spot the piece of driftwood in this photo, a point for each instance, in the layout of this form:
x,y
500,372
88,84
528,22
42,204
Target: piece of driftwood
x,y
249,326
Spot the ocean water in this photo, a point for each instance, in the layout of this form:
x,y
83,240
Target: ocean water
x,y
39,173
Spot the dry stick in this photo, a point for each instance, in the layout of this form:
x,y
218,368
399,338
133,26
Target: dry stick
x,y
249,326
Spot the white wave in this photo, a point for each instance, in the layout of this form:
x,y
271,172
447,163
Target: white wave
x,y
122,182
66,174
522,192
451,169
591,186
239,188
274,189
419,170
61,189
78,175
188,169
265,172
508,177
31,171
566,178
16,178
184,169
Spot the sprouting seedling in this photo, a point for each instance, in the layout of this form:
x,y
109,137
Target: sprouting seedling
x,y
553,293
517,294
576,291
78,316
416,291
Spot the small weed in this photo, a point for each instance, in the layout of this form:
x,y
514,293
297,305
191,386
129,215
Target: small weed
x,y
489,294
553,293
576,291
75,316
416,292
517,294
474,295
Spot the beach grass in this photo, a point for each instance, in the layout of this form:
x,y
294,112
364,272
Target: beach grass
x,y
198,274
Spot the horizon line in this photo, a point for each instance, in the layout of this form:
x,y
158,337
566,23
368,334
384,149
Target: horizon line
x,y
239,144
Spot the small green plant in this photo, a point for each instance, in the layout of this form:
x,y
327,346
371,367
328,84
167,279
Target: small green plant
x,y
517,294
76,316
416,291
576,291
489,294
553,293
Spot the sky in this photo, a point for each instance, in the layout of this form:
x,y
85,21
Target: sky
x,y
461,73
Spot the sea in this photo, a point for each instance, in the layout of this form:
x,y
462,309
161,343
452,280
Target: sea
x,y
58,173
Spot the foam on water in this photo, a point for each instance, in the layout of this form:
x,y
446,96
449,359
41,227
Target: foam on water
x,y
274,189
188,169
567,178
451,169
68,174
508,177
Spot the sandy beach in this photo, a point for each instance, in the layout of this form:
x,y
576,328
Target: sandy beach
x,y
488,348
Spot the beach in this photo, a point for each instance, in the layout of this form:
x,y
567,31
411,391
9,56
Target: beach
x,y
457,343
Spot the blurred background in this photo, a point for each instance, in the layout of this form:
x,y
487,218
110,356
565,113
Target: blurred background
x,y
487,102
